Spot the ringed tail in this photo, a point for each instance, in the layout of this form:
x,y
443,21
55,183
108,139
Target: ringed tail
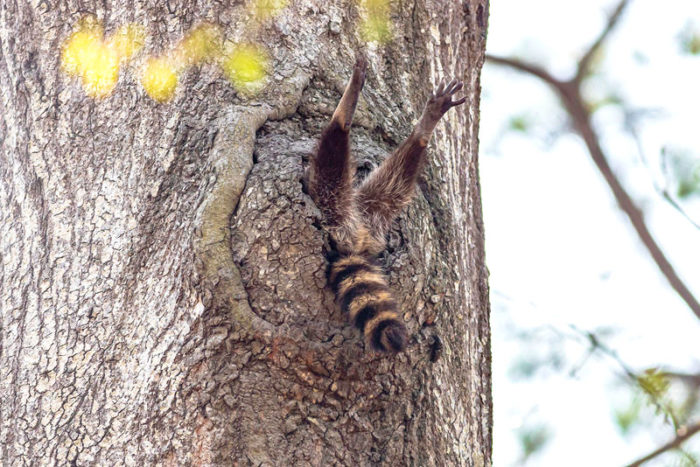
x,y
362,292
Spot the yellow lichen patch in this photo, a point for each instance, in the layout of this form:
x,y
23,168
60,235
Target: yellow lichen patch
x,y
375,29
159,79
79,51
246,65
103,73
86,55
127,40
202,44
160,75
376,23
264,9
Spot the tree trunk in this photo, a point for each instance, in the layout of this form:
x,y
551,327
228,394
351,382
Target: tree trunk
x,y
162,279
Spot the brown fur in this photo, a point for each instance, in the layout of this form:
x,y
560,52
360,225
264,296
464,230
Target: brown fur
x,y
358,220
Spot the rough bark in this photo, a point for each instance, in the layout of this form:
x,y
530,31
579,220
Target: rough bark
x,y
162,280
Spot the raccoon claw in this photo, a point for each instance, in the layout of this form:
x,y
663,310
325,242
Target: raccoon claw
x,y
441,100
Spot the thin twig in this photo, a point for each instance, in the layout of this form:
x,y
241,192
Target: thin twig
x,y
683,431
663,192
581,117
690,379
682,434
524,67
665,195
597,345
585,60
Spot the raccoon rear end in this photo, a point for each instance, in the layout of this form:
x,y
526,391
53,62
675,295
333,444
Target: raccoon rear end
x,y
358,219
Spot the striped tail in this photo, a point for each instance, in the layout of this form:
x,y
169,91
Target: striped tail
x,y
361,291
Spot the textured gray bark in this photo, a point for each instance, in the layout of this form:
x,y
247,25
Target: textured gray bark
x,y
162,279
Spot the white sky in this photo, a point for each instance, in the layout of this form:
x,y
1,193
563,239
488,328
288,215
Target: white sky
x,y
559,250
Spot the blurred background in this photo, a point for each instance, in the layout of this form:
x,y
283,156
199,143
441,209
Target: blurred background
x,y
595,355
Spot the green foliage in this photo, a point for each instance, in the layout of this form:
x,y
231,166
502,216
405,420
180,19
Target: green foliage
x,y
598,91
688,187
376,24
689,39
610,99
654,383
687,459
520,123
683,171
528,365
524,368
532,439
628,417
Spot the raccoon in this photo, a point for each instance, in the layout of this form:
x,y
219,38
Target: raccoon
x,y
358,218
